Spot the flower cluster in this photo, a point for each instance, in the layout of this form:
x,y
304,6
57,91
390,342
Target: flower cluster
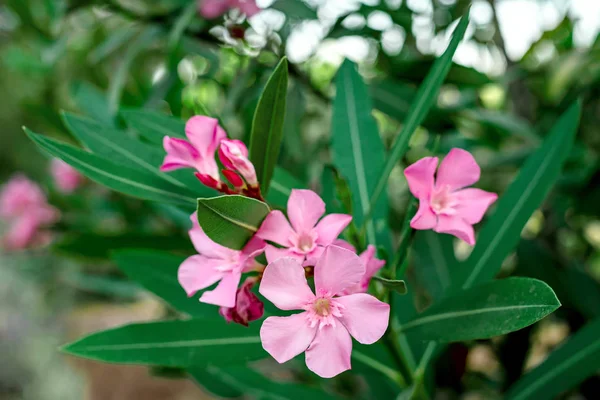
x,y
205,136
305,244
23,205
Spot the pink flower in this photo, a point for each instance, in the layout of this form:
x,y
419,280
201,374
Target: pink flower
x,y
305,239
372,264
247,306
211,9
444,205
66,178
234,156
24,206
204,135
323,330
216,263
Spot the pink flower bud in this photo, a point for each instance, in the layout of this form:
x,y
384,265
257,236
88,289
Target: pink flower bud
x,y
233,178
247,306
66,178
234,155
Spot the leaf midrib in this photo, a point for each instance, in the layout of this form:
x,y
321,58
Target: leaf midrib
x,y
164,345
241,224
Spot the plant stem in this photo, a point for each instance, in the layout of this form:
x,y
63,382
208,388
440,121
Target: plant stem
x,y
391,341
385,370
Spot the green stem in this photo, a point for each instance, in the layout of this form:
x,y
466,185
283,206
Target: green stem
x,y
391,341
384,369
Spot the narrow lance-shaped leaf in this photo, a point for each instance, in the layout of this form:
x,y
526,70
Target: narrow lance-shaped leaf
x,y
154,126
424,100
195,342
358,152
116,177
485,311
267,126
434,260
231,220
565,368
501,233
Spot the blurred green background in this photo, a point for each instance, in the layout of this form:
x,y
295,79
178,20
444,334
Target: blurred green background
x,y
522,64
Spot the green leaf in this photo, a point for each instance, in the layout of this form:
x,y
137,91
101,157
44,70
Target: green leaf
x,y
502,231
434,262
485,311
116,146
424,100
195,342
157,272
93,103
154,126
116,177
396,285
231,220
295,9
95,246
565,368
358,152
267,126
281,188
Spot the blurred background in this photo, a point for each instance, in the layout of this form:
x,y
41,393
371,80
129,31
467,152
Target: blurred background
x,y
521,63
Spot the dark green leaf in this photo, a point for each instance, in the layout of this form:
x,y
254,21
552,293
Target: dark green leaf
x,y
267,126
93,103
434,262
195,342
485,311
157,272
294,9
154,126
281,187
565,368
392,284
231,220
502,231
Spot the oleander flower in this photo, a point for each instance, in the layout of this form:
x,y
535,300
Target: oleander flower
x,y
324,329
66,178
216,263
307,237
234,156
444,204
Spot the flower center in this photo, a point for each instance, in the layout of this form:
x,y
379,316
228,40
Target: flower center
x,y
442,201
322,307
305,243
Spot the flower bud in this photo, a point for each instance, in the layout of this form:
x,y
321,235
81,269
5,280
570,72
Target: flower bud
x,y
234,156
247,306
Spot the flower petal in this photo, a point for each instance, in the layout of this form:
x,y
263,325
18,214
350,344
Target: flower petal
x,y
455,225
336,270
284,284
180,154
424,218
254,247
205,246
344,245
275,253
473,203
202,132
313,256
329,353
276,228
224,294
458,170
420,177
286,337
248,7
365,317
197,272
213,8
330,227
304,209
372,263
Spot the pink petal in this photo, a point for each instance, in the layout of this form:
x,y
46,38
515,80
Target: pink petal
x,y
22,233
254,247
276,228
473,203
205,246
336,270
202,132
224,294
275,253
180,154
372,263
329,353
313,256
365,317
424,218
286,337
248,7
197,273
66,178
344,245
420,177
213,8
233,178
456,226
330,227
284,284
305,207
458,170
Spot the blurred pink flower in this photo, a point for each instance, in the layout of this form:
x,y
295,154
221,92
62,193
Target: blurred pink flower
x,y
372,264
305,239
211,9
24,207
247,306
444,205
66,178
234,156
216,263
204,135
323,330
